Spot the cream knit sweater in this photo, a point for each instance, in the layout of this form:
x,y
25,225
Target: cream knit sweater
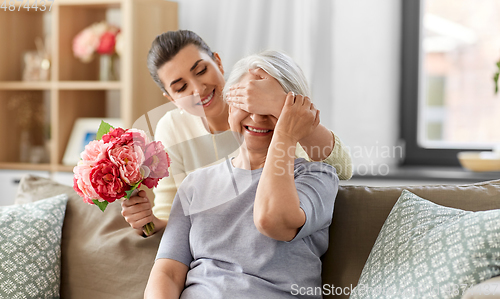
x,y
191,146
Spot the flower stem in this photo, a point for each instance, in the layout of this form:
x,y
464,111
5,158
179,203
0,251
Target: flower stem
x,y
149,229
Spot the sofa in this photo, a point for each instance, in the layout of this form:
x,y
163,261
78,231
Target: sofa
x,y
102,257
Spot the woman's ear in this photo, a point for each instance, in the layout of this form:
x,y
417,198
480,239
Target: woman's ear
x,y
219,62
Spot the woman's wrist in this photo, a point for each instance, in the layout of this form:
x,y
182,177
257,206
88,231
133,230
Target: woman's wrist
x,y
160,224
318,145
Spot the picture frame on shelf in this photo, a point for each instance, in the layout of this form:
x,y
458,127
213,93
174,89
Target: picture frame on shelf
x,y
84,130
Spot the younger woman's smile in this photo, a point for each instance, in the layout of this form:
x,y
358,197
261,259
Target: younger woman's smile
x,y
206,101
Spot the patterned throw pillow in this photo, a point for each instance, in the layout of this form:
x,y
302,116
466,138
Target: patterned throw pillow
x,y
30,248
425,250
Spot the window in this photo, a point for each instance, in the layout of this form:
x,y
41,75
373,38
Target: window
x,y
447,98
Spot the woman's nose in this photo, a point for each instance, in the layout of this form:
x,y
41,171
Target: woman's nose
x,y
258,117
198,87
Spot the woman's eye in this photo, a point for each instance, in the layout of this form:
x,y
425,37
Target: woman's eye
x,y
202,71
182,88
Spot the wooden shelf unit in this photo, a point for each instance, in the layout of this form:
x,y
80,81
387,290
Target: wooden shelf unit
x,y
74,89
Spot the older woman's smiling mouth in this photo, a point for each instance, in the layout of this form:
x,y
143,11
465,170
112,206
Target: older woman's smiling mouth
x,y
257,131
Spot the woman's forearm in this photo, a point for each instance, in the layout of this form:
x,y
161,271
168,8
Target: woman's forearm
x,y
277,212
161,287
319,144
166,280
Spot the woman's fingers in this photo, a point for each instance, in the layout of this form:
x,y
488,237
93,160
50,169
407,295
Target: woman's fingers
x,y
135,199
138,220
239,105
307,102
299,99
235,86
138,215
239,91
290,99
137,210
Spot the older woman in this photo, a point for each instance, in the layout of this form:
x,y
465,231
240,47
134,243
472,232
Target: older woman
x,y
184,67
261,240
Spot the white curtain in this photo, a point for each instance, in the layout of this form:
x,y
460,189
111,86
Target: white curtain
x,y
301,28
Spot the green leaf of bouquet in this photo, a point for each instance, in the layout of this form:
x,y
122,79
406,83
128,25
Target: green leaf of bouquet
x,y
101,204
132,188
129,193
104,129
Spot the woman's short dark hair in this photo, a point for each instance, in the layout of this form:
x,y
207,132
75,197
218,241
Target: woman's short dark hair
x,y
167,45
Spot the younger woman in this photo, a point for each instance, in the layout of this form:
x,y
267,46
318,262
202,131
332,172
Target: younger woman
x,y
184,67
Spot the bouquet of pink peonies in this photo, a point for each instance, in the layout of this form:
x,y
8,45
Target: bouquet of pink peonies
x,y
116,164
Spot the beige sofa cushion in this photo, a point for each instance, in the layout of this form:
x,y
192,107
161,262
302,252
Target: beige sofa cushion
x,y
360,212
96,243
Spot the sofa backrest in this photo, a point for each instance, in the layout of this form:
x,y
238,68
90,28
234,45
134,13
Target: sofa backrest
x,y
361,211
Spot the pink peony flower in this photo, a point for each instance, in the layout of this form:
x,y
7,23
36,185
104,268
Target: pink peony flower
x,y
151,182
84,44
140,138
113,135
107,43
77,189
94,151
157,160
132,136
128,158
105,178
82,184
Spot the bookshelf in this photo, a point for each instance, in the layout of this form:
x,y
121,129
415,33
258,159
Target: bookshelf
x,y
74,89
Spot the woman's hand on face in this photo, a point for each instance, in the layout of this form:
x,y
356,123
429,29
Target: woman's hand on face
x,y
298,118
261,95
236,115
137,211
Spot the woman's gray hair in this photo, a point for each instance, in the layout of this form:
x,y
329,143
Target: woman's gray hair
x,y
277,64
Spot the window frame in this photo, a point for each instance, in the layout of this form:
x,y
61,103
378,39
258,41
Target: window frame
x,y
411,58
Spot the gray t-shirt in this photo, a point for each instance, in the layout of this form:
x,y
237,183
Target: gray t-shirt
x,y
211,230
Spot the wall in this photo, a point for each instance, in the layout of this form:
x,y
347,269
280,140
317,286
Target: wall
x,y
366,80
359,98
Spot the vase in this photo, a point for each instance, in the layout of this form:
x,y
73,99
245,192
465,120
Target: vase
x,y
24,146
108,67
